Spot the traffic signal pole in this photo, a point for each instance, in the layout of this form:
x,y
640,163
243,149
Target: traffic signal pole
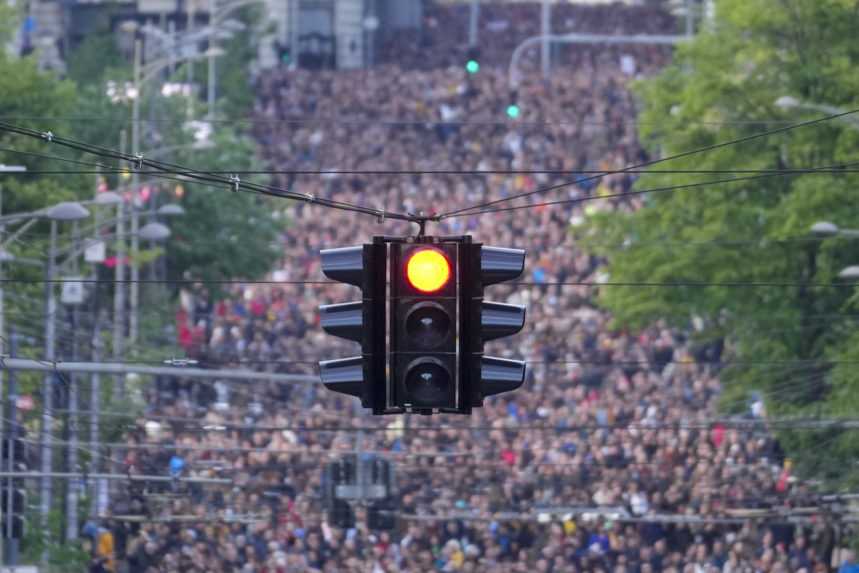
x,y
10,544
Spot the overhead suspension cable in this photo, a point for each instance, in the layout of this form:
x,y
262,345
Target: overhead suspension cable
x,y
700,150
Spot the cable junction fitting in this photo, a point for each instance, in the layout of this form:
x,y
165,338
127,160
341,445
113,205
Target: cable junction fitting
x,y
310,197
48,136
180,362
235,181
138,161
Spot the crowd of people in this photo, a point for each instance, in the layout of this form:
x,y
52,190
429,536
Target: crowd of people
x,y
611,458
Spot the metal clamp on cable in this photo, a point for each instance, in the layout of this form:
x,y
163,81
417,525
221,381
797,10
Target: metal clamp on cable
x,y
235,181
48,136
381,218
310,197
138,161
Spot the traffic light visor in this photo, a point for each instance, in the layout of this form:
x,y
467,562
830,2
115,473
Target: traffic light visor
x,y
428,270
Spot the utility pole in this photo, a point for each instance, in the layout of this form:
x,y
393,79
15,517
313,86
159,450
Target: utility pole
x,y
3,255
119,284
474,23
189,28
210,92
10,549
690,22
135,183
95,414
546,31
48,385
72,420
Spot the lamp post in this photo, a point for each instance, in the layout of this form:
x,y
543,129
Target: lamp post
x,y
62,212
143,74
4,169
825,229
575,38
216,20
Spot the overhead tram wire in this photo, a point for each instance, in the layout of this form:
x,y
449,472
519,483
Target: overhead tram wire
x,y
233,182
695,185
595,284
392,122
104,169
738,141
476,172
806,363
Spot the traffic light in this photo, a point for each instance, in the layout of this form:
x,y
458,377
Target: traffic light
x,y
364,322
13,496
382,515
424,325
472,60
513,109
422,344
335,475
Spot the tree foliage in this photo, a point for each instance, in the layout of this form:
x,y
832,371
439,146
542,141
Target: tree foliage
x,y
722,86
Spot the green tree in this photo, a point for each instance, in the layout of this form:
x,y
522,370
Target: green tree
x,y
722,86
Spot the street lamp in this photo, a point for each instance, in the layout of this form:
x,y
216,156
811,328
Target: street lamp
x,y
825,229
171,210
850,273
143,74
108,198
62,212
154,231
829,229
787,103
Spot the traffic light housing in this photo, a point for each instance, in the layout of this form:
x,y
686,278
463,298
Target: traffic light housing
x,y
472,60
360,376
424,325
336,474
513,110
422,338
15,457
489,375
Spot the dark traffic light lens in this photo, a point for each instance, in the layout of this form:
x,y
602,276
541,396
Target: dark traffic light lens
x,y
428,382
428,324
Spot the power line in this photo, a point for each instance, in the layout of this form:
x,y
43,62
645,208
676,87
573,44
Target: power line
x,y
232,182
624,194
700,150
392,122
754,425
121,171
701,284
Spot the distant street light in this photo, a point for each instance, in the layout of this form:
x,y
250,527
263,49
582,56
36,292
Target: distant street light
x,y
154,231
171,210
828,229
787,103
67,211
108,198
850,273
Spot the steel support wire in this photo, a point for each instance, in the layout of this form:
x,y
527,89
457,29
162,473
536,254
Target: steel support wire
x,y
737,141
232,182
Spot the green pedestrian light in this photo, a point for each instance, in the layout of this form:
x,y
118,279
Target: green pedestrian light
x,y
512,111
472,66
